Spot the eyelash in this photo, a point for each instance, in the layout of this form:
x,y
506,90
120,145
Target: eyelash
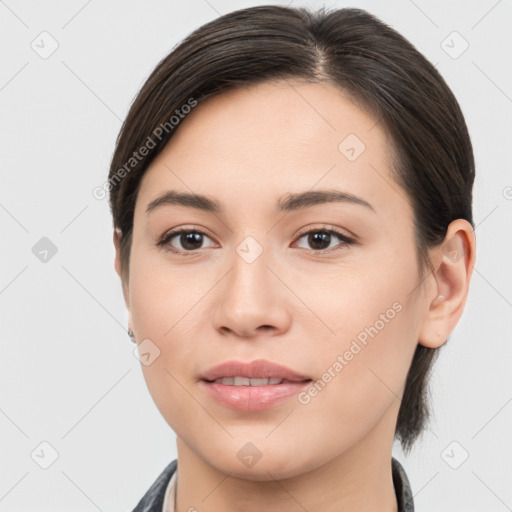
x,y
167,237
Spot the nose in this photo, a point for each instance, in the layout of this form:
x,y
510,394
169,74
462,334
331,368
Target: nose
x,y
251,300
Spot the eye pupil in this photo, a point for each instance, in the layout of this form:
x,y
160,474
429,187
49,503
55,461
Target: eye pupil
x,y
319,237
191,240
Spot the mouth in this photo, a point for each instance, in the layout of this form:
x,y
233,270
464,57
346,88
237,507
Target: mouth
x,y
252,386
246,381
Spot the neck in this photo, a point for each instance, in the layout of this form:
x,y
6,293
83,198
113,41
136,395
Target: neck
x,y
359,479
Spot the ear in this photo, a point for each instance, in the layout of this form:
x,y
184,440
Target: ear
x,y
118,266
453,261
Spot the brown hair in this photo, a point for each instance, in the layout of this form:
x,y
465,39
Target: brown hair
x,y
372,63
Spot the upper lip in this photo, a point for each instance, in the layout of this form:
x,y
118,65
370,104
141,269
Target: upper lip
x,y
257,369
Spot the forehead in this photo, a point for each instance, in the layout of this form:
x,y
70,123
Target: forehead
x,y
271,138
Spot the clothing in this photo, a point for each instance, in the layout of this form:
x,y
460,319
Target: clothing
x,y
162,493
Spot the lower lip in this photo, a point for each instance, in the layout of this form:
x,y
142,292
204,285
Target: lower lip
x,y
253,398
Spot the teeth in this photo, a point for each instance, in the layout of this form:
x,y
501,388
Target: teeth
x,y
259,382
245,381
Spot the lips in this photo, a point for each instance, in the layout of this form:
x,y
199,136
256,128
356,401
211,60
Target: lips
x,y
257,369
253,386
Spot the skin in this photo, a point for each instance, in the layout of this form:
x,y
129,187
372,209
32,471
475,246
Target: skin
x,y
246,149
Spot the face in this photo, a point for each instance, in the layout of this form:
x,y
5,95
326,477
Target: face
x,y
325,286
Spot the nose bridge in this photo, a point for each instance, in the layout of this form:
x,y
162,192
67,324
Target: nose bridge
x,y
251,293
250,275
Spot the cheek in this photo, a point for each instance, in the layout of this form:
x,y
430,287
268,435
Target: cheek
x,y
368,337
369,300
162,296
167,308
362,377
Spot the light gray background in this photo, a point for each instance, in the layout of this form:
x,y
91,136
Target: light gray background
x,y
68,375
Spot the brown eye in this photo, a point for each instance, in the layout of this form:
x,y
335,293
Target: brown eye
x,y
321,239
188,240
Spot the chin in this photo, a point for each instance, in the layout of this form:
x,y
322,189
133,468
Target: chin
x,y
261,471
260,460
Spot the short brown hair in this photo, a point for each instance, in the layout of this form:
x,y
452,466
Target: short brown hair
x,y
372,63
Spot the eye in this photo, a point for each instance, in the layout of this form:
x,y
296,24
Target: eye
x,y
320,239
189,239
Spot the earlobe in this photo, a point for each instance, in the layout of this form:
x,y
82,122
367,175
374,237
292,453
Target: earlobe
x,y
445,303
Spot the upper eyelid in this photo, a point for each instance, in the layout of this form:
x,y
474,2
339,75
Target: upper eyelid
x,y
325,227
171,233
305,231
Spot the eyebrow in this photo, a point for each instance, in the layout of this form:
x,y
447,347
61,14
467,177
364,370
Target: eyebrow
x,y
291,202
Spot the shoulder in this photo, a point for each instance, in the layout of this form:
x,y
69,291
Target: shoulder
x,y
153,500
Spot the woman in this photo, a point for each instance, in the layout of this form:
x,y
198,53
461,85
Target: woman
x,y
291,195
